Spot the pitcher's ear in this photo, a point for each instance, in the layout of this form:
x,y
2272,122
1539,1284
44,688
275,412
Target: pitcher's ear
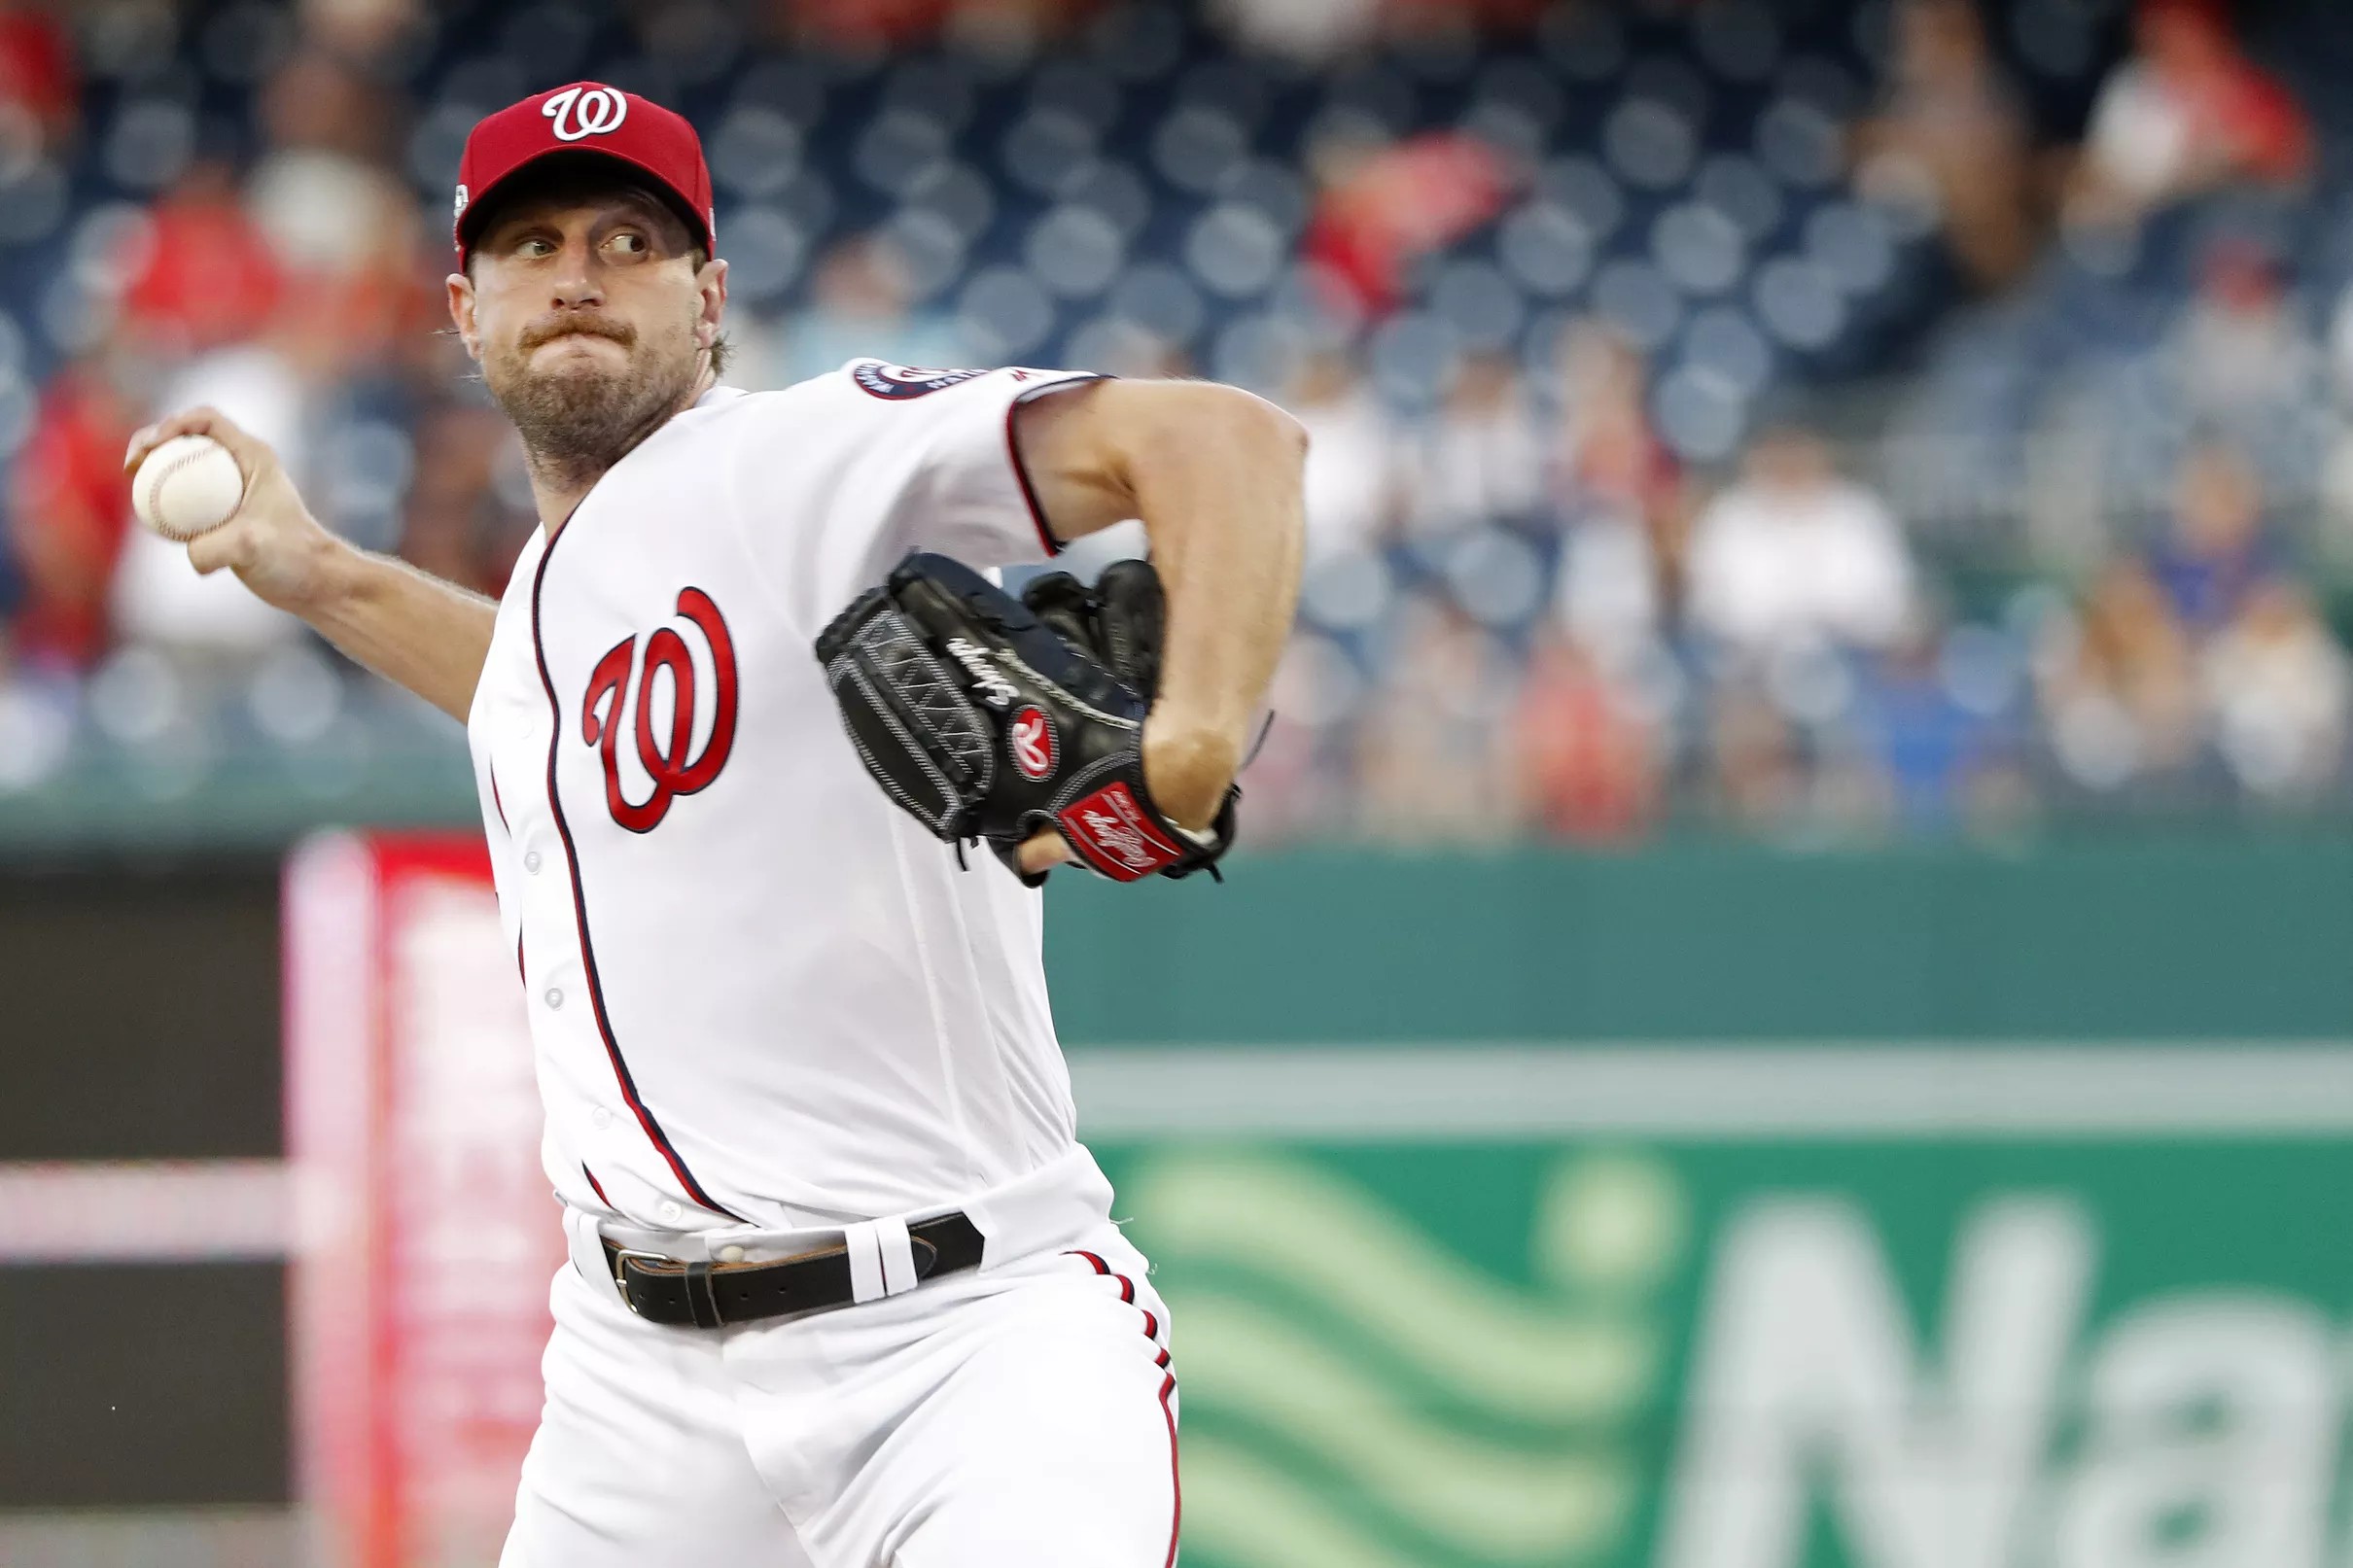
x,y
461,313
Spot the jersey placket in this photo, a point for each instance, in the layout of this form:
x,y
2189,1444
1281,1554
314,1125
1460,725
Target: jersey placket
x,y
572,988
547,950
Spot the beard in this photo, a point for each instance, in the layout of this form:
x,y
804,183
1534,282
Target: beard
x,y
582,417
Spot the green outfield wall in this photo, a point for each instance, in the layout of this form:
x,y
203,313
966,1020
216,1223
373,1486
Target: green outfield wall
x,y
2124,939
1723,1208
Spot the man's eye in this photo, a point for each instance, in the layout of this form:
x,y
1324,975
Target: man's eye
x,y
535,248
629,243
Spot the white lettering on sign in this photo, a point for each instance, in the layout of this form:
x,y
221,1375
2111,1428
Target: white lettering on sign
x,y
2218,1408
1807,1373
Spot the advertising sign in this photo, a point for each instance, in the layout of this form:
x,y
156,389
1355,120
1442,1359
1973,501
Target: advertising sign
x,y
1693,1355
426,1234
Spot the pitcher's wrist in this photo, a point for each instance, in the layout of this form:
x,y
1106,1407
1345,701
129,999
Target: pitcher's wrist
x,y
1188,766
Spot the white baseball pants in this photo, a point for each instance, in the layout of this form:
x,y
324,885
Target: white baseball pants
x,y
1021,1415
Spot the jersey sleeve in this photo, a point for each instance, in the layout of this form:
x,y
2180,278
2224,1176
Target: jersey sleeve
x,y
834,478
965,494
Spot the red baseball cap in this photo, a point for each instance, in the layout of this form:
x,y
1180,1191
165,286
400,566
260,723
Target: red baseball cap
x,y
586,117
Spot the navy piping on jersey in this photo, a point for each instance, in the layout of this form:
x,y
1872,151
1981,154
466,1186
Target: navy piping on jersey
x,y
580,909
1168,1386
1029,493
521,973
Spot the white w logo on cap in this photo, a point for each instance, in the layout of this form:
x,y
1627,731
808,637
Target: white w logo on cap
x,y
579,112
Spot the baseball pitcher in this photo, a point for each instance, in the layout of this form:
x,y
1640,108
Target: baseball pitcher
x,y
769,770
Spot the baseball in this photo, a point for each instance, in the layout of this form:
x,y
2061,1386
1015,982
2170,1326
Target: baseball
x,y
189,486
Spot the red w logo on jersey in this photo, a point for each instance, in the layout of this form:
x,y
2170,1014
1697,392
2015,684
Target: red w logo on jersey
x,y
666,759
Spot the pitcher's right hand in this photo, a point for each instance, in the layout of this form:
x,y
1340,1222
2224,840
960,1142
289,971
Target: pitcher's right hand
x,y
273,542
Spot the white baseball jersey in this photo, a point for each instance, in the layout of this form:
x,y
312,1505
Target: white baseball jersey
x,y
759,990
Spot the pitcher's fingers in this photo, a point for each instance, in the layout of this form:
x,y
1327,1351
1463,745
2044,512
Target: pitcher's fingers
x,y
223,546
156,434
142,441
1041,851
201,421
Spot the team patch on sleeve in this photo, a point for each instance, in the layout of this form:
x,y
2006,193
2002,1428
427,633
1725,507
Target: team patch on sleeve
x,y
904,380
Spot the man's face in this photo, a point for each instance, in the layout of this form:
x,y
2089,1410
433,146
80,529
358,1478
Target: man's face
x,y
1788,460
590,316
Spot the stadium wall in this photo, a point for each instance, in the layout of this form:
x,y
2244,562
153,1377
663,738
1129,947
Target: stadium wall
x,y
2126,938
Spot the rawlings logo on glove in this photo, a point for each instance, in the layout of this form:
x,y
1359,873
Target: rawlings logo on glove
x,y
1109,827
986,717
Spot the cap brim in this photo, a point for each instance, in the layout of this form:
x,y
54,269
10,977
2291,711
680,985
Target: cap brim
x,y
480,206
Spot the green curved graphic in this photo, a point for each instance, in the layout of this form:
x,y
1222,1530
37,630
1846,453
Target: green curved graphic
x,y
1513,1504
1246,1515
1400,1407
1492,1344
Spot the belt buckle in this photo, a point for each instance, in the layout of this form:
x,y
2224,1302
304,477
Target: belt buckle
x,y
621,1278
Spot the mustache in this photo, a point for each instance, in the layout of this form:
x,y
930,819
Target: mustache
x,y
548,332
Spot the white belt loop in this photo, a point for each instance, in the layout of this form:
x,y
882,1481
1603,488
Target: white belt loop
x,y
881,1260
865,1262
898,1255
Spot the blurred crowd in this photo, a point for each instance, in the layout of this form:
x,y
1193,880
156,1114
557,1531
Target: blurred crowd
x,y
2007,495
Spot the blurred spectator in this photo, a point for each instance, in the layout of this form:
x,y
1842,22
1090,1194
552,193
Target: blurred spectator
x,y
2277,685
1793,554
1299,780
317,189
2216,552
1619,493
458,525
1352,486
856,27
1433,757
1307,32
69,506
1611,599
1479,457
1927,745
342,231
859,306
360,29
1380,206
1950,135
2240,355
38,81
1006,30
2188,113
1756,781
2118,683
1587,767
201,274
1607,454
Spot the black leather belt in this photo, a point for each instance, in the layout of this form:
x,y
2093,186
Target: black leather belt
x,y
711,1294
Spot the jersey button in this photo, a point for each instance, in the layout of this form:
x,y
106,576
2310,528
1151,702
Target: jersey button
x,y
531,863
600,1118
555,995
731,1254
672,1213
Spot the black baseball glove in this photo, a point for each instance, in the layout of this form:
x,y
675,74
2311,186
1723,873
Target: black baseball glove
x,y
987,716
